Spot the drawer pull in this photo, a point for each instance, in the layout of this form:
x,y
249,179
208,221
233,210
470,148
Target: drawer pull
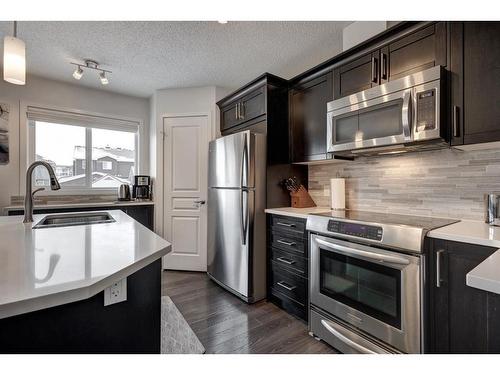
x,y
286,286
283,242
286,261
285,224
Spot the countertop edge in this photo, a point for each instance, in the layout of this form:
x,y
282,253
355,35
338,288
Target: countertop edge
x,y
292,212
76,205
480,276
78,294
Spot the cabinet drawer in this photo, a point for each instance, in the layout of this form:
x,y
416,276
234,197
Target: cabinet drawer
x,y
288,283
289,305
289,225
289,243
291,262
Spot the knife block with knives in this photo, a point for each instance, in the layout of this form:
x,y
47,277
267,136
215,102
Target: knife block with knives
x,y
299,196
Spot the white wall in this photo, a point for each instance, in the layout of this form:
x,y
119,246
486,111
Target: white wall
x,y
58,94
196,100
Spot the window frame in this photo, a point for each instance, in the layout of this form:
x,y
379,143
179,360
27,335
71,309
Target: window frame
x,y
109,123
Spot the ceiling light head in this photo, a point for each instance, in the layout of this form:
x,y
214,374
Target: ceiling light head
x,y
14,59
78,73
103,78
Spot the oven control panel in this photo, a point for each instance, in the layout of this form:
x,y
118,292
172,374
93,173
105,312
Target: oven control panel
x,y
358,230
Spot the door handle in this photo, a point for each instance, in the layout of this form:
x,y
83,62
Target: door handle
x,y
406,115
383,66
438,268
283,242
286,286
200,202
456,129
374,70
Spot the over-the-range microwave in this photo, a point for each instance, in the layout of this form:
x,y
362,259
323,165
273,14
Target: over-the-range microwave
x,y
398,116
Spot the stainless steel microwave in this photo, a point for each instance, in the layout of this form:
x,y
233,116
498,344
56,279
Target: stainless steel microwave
x,y
394,117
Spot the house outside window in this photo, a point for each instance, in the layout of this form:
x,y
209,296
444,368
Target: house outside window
x,y
110,152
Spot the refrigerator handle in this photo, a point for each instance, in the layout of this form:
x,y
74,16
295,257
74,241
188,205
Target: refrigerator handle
x,y
244,215
244,163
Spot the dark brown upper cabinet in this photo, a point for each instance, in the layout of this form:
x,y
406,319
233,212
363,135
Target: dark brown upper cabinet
x,y
307,115
417,51
243,109
475,82
462,319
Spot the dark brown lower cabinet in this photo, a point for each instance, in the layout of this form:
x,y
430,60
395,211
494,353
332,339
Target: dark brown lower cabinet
x,y
287,279
462,319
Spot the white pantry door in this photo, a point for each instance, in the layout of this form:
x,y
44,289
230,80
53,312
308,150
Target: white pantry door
x,y
185,154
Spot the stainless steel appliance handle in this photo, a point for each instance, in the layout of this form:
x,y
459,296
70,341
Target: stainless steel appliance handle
x,y
345,339
244,215
285,224
244,163
406,115
384,258
438,268
286,261
286,286
283,242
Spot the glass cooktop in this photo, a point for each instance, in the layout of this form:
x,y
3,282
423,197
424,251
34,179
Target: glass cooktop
x,y
423,222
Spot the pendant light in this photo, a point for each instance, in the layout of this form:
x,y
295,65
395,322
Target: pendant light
x,y
14,59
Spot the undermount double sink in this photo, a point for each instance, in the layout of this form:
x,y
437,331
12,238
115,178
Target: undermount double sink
x,y
72,219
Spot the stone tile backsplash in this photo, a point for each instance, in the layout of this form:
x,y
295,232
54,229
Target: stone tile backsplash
x,y
444,183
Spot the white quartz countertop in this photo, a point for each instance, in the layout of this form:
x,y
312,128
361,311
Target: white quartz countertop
x,y
296,212
76,205
46,267
486,275
469,231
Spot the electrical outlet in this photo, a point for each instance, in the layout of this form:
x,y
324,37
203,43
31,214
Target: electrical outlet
x,y
116,292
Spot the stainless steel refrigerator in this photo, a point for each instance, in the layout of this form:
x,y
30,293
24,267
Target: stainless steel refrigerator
x,y
236,218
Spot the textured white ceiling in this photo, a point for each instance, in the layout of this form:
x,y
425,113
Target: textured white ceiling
x,y
146,56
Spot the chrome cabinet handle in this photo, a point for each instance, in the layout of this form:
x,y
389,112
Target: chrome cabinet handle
x,y
456,130
286,261
283,242
383,66
285,224
236,111
242,111
406,115
286,286
346,340
438,268
374,70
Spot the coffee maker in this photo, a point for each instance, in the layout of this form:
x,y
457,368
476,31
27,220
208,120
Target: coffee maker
x,y
142,189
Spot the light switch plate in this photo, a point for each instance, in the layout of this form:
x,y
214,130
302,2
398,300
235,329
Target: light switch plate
x,y
116,292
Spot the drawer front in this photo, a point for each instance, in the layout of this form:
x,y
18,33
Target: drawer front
x,y
290,261
289,225
289,284
289,243
289,305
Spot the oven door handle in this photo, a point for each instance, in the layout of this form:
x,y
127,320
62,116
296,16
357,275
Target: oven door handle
x,y
383,258
346,340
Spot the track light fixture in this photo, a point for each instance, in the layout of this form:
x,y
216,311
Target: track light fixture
x,y
93,65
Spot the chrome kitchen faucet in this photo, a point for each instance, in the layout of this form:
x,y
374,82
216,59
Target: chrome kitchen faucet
x,y
28,198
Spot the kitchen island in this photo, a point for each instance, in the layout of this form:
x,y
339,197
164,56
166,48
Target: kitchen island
x,y
52,284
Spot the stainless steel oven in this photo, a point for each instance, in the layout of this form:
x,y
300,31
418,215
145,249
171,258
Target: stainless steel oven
x,y
377,291
404,112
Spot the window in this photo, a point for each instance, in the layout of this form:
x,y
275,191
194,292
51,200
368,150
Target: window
x,y
84,154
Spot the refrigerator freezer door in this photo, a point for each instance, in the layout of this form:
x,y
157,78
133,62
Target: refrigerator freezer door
x,y
230,228
231,161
